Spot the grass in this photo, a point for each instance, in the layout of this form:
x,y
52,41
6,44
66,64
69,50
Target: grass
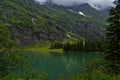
x,y
43,47
45,50
41,50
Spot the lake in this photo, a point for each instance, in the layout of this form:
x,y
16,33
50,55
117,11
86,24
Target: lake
x,y
54,65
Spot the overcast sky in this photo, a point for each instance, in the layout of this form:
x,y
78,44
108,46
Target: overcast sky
x,y
94,3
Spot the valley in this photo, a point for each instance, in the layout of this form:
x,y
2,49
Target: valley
x,y
59,40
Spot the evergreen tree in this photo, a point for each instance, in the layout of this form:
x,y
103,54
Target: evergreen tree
x,y
67,47
113,40
83,46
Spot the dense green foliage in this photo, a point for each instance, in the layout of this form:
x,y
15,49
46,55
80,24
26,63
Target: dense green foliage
x,y
92,76
8,60
56,45
5,41
79,46
113,41
29,22
84,46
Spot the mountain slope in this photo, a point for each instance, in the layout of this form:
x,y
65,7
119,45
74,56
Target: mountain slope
x,y
29,22
95,15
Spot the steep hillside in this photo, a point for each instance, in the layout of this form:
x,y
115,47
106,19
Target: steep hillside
x,y
29,22
95,15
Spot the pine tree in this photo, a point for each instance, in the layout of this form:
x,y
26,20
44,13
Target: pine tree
x,y
112,56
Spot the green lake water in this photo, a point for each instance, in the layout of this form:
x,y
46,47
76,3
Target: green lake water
x,y
55,65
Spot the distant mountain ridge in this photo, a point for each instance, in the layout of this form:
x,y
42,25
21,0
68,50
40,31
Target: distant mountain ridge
x,y
106,11
30,23
88,10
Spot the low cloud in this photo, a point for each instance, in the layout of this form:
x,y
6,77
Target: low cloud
x,y
98,4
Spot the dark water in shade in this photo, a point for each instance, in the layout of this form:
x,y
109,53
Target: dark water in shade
x,y
55,65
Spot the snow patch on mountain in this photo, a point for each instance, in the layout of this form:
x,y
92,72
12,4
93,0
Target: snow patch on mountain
x,y
81,13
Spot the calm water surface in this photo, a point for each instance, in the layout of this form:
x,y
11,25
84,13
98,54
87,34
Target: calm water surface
x,y
55,65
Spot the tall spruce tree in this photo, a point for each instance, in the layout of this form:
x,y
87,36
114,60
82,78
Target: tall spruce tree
x,y
112,56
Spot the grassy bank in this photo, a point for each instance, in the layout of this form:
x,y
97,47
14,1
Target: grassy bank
x,y
41,50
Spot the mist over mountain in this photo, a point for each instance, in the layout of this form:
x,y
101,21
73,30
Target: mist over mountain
x,y
97,4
